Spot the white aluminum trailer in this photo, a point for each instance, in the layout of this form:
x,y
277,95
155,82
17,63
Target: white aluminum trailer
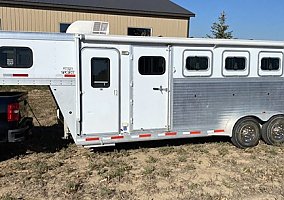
x,y
116,89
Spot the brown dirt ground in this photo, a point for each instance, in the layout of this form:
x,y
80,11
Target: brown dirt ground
x,y
47,167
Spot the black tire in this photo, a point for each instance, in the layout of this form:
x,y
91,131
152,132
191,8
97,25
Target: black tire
x,y
246,133
273,131
264,135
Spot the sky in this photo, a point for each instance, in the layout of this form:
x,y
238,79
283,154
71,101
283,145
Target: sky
x,y
248,19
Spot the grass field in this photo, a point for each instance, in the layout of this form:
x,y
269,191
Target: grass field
x,y
47,167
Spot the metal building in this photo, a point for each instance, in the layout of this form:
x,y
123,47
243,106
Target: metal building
x,y
125,17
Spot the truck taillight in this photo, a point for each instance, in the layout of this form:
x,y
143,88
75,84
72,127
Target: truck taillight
x,y
13,113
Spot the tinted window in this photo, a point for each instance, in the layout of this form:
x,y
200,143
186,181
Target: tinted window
x,y
16,57
152,65
235,63
270,64
64,27
100,72
139,31
197,63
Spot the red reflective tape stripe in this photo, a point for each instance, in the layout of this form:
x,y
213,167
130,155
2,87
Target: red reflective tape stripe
x,y
145,135
69,75
92,139
20,75
170,133
219,131
195,132
117,137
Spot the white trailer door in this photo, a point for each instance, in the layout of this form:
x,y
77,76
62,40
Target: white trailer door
x,y
150,88
100,87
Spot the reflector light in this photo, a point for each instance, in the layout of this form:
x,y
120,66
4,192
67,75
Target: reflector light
x,y
69,75
144,135
92,139
170,133
20,75
195,132
117,137
13,113
219,131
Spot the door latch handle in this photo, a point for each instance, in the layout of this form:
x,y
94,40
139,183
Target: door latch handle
x,y
161,89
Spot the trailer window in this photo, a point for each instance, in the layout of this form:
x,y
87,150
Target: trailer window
x,y
270,64
235,63
100,72
16,57
195,63
152,65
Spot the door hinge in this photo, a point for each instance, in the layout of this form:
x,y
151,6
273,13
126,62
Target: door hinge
x,y
131,84
131,120
131,102
131,56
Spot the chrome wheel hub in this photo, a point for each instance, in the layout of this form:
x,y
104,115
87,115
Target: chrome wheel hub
x,y
248,133
278,131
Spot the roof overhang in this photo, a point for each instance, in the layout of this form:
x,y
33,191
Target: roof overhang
x,y
56,6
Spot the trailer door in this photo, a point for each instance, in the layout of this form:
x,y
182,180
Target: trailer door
x,y
150,88
100,90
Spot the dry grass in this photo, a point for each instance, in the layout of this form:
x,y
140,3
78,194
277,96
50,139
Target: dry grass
x,y
46,167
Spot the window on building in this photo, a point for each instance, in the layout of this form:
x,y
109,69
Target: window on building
x,y
270,64
64,27
196,63
16,57
139,31
152,65
235,63
100,72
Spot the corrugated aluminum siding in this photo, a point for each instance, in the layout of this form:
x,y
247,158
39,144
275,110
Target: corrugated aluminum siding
x,y
39,20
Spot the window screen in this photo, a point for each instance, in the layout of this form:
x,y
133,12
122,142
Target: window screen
x,y
197,63
16,57
270,64
235,63
152,65
100,72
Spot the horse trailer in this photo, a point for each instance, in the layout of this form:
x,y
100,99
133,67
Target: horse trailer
x,y
117,89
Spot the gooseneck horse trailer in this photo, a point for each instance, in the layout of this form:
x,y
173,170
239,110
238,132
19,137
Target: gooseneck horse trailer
x,y
117,89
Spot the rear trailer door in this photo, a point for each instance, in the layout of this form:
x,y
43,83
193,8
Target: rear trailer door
x,y
100,88
150,87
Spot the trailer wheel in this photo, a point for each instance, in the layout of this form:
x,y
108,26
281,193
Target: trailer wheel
x,y
273,130
264,134
246,133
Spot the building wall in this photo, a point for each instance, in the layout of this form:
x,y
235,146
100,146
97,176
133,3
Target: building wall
x,y
39,20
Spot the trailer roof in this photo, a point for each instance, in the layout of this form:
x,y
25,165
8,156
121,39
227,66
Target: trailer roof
x,y
141,39
184,41
156,7
37,36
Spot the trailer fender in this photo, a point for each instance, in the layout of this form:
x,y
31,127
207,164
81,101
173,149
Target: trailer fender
x,y
261,117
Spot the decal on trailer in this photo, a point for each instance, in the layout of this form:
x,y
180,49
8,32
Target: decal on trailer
x,y
68,72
